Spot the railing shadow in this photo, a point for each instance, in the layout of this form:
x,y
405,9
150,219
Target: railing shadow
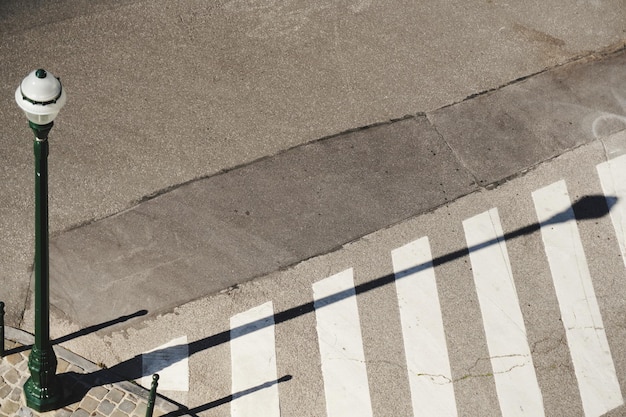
x,y
586,208
192,412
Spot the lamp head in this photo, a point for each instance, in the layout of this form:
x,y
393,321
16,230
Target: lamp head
x,y
41,96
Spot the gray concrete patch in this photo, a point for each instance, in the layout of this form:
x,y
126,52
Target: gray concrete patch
x,y
504,132
224,230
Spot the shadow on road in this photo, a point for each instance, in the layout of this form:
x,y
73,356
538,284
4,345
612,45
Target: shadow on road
x,y
192,412
82,332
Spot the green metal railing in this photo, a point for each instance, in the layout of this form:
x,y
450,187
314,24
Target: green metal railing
x,y
1,329
152,397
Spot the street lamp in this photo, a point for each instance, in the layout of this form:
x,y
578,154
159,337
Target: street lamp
x,y
41,97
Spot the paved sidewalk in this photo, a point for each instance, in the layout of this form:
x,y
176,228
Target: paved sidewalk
x,y
84,396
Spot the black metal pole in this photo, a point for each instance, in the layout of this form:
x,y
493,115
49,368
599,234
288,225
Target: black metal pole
x,y
42,390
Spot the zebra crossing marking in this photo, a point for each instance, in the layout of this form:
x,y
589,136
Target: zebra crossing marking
x,y
612,174
253,362
428,365
338,327
589,349
514,372
171,362
341,348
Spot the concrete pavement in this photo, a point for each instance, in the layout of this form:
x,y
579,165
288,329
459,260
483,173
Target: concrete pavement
x,y
220,231
161,93
198,347
522,305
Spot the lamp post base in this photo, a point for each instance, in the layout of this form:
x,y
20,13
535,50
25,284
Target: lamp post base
x,y
43,390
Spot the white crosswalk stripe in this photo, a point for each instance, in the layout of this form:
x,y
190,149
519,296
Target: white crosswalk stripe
x,y
586,337
428,365
511,360
253,359
171,362
612,175
341,347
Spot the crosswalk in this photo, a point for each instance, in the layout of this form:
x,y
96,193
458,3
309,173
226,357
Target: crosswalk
x,y
338,325
254,362
511,359
423,332
589,349
341,346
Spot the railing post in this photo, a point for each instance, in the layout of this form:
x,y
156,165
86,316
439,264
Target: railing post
x,y
1,329
152,397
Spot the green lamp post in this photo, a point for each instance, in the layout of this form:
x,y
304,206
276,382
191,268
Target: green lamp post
x,y
41,97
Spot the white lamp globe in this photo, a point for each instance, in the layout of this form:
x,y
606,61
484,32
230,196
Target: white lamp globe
x,y
41,96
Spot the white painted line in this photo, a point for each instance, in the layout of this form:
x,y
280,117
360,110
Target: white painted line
x,y
341,347
253,358
428,365
514,373
613,179
589,348
171,362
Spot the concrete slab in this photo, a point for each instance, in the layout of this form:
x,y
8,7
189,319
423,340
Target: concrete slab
x,y
217,232
220,231
504,132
